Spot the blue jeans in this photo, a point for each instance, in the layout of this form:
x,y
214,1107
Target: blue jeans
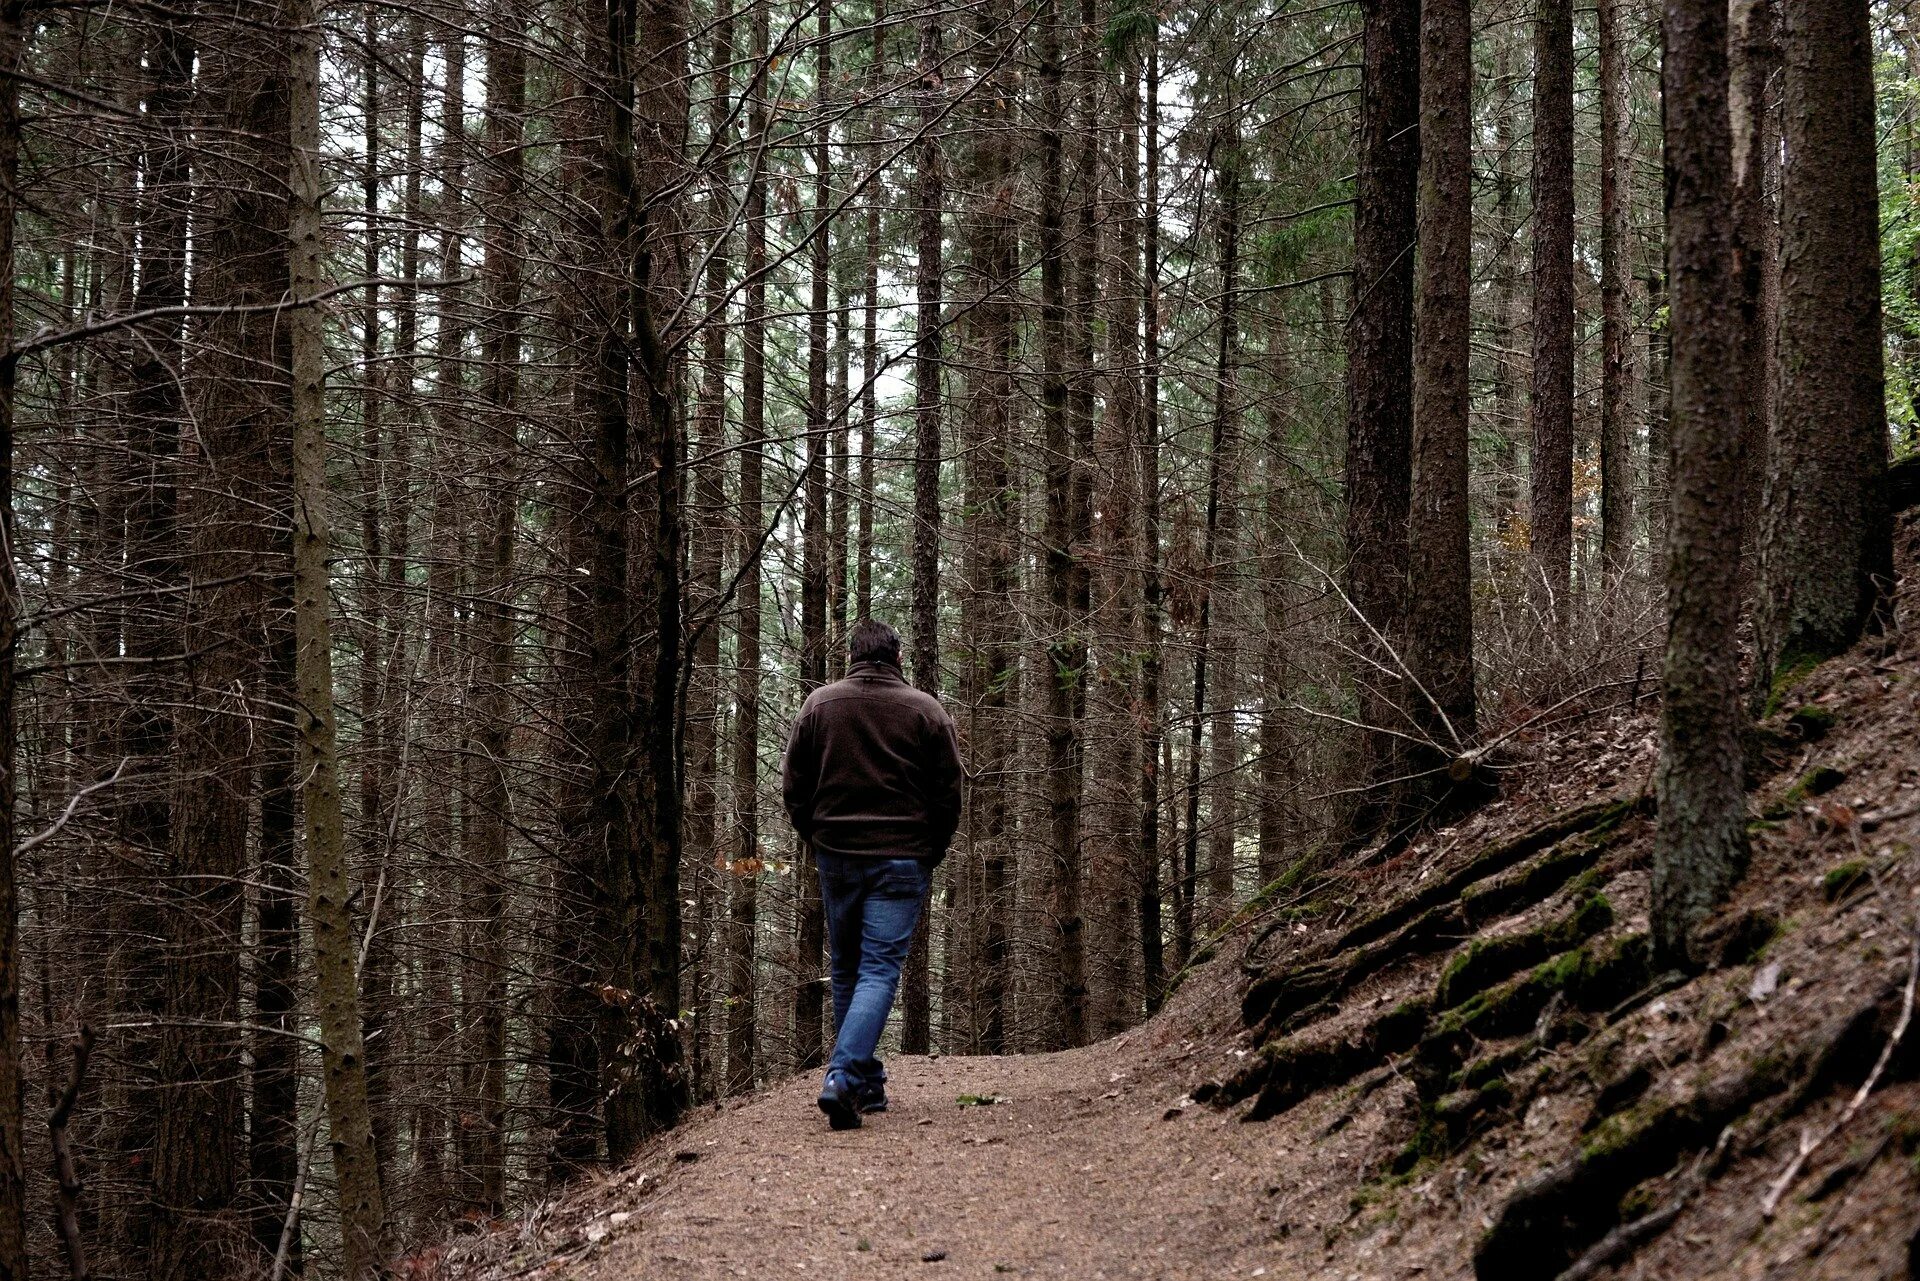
x,y
872,906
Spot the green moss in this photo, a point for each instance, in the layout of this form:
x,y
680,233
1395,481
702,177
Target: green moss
x,y
1844,879
1512,1007
1641,1200
1494,1067
1817,781
1792,668
1292,878
1561,970
1588,882
1617,1132
1486,961
1428,1145
1812,721
1616,972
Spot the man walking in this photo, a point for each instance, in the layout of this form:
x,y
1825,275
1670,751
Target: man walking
x,y
872,784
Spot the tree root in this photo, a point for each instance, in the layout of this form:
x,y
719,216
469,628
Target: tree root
x,y
1489,961
1490,862
1555,1216
1288,1071
1283,998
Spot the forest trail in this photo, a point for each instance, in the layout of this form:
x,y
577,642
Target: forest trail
x,y
1461,1060
1089,1163
1071,1171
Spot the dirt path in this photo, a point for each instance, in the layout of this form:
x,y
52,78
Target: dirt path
x,y
1067,1174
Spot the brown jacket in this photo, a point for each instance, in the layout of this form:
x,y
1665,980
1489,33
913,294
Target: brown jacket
x,y
873,768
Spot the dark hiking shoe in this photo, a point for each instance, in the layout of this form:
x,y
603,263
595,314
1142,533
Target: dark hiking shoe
x,y
871,1096
839,1102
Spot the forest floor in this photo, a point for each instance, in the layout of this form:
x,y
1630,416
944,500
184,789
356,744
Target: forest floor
x,y
1676,1110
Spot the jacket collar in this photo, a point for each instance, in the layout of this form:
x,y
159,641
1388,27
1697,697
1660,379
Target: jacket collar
x,y
877,670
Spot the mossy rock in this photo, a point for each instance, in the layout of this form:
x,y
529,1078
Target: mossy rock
x,y
1817,781
1812,722
1844,879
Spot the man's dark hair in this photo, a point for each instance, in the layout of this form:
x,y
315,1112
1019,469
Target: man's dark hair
x,y
873,642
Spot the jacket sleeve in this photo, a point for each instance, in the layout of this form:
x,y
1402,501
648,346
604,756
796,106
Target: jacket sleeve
x,y
800,776
944,795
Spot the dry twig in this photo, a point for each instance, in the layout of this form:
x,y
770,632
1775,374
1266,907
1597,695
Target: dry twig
x,y
1811,1142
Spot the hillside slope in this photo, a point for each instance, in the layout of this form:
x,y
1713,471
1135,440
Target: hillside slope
x,y
1480,1075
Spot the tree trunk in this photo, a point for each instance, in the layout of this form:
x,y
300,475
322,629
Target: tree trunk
x,y
1217,560
809,983
1509,311
1066,649
1701,842
1380,382
1827,562
655,144
1280,598
1616,231
929,201
1152,594
989,628
13,1189
705,588
1113,865
1549,577
504,245
244,404
743,904
197,1071
1752,59
447,734
1439,596
356,1169
870,350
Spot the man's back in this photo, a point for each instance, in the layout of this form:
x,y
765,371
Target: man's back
x,y
873,768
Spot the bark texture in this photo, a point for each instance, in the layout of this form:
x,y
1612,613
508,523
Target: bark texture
x,y
1439,598
1827,563
1701,843
349,1117
1379,477
1551,484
